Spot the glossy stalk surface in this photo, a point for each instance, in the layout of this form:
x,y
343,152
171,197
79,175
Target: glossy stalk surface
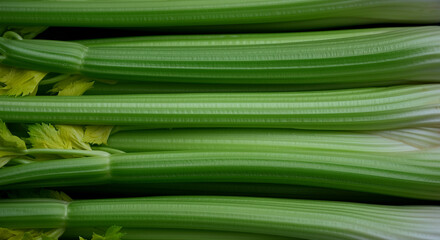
x,y
306,219
411,175
351,109
349,56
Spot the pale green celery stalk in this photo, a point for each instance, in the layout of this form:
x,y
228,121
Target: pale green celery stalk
x,y
15,154
107,149
89,153
395,174
352,109
222,15
306,219
373,55
399,140
127,87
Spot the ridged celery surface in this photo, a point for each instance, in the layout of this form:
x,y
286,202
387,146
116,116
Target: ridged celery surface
x,y
353,56
400,140
412,175
127,87
134,87
352,109
319,220
245,15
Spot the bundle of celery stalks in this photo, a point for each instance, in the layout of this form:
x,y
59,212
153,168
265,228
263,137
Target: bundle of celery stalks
x,y
198,119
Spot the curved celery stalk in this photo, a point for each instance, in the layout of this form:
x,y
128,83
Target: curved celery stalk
x,y
353,109
221,15
391,54
395,174
307,219
135,87
401,140
127,87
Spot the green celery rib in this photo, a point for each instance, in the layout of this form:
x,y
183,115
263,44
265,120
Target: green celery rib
x,y
306,219
352,109
226,15
50,213
81,172
395,174
127,87
369,55
401,140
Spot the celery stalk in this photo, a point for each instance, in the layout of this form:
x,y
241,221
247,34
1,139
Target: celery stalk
x,y
373,55
352,109
307,219
221,15
411,175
